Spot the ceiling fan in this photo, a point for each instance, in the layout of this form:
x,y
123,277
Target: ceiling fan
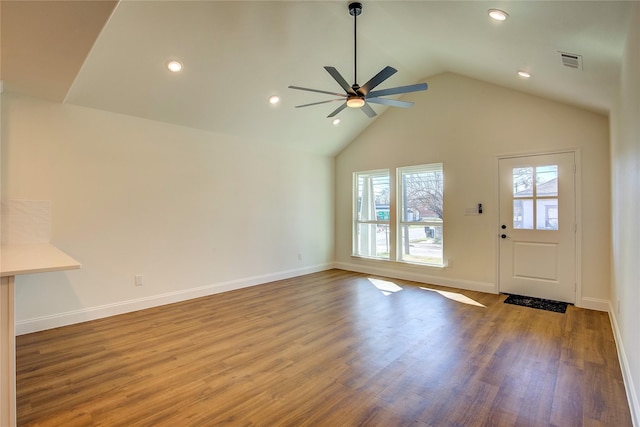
x,y
357,96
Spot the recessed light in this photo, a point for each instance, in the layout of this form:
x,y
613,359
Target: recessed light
x,y
498,15
336,122
274,99
524,74
174,66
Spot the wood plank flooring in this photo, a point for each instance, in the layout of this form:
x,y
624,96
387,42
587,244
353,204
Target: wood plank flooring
x,y
327,349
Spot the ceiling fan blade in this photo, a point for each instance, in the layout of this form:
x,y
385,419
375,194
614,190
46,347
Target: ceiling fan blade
x,y
337,110
390,102
341,81
398,90
366,108
377,79
316,90
321,102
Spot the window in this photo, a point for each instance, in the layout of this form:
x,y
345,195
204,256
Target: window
x,y
420,195
535,186
372,214
371,236
401,222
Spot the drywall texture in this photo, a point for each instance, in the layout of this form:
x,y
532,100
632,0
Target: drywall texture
x,y
625,205
467,124
191,211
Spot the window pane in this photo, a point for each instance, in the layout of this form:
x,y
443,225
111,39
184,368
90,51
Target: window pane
x,y
421,194
523,182
422,244
547,181
523,214
547,214
372,240
373,197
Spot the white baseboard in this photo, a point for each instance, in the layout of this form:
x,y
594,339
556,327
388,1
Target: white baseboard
x,y
594,304
92,313
469,285
632,397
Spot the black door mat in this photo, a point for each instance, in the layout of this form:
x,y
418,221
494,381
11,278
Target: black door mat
x,y
539,303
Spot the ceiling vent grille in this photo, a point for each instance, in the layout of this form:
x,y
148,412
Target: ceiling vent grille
x,y
571,60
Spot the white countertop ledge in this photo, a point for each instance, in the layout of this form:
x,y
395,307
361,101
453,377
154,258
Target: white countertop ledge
x,y
34,258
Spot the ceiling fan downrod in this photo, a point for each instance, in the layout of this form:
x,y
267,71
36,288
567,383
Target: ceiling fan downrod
x,y
355,9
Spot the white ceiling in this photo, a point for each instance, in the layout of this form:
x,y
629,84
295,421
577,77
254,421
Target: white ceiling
x,y
112,56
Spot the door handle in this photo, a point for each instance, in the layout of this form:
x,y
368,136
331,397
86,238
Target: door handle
x,y
504,236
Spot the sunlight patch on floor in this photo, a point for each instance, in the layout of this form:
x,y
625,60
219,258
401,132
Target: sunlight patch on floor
x,y
455,296
387,288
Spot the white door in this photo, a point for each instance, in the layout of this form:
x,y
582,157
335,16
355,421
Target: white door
x,y
538,226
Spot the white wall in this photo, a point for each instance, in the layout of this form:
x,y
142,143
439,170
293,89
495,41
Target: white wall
x,y
625,200
466,124
194,212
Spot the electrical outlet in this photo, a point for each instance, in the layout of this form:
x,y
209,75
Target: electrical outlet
x,y
139,280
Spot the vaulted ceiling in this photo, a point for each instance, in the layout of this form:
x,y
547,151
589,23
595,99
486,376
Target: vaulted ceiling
x,y
112,56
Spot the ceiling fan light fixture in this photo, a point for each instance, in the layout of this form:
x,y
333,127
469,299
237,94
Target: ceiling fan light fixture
x,y
498,15
355,102
274,99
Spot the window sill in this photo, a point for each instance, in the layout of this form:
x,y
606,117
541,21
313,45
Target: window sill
x,y
412,264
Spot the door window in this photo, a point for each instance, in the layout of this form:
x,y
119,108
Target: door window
x,y
535,197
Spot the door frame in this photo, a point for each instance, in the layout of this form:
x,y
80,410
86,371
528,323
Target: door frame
x,y
578,212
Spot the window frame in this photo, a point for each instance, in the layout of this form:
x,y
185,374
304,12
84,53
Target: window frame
x,y
356,249
403,222
534,199
397,221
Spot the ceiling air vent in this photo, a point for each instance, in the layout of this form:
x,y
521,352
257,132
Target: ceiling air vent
x,y
571,60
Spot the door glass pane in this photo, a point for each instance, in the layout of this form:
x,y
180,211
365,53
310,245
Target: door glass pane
x,y
523,182
547,214
547,181
523,214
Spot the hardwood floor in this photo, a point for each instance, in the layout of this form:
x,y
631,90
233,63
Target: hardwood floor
x,y
327,349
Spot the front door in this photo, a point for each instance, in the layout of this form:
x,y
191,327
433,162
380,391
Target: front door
x,y
538,226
